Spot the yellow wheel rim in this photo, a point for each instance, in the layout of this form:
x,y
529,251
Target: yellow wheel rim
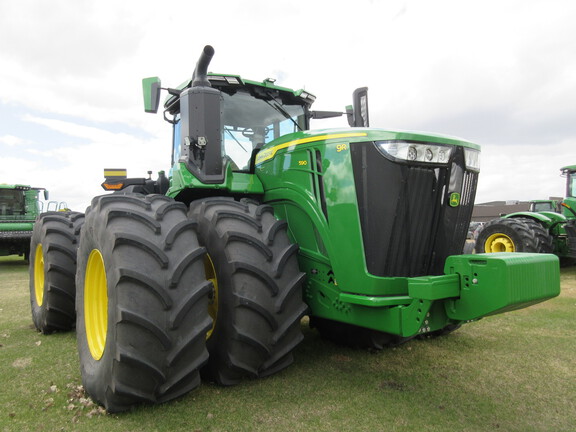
x,y
96,304
39,275
213,304
499,243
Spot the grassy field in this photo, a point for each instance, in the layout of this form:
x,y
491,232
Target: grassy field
x,y
512,372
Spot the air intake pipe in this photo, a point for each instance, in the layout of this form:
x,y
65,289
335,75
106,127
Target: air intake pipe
x,y
201,133
200,75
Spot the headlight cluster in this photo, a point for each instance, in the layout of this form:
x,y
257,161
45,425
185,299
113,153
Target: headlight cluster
x,y
306,96
416,152
426,153
232,80
472,159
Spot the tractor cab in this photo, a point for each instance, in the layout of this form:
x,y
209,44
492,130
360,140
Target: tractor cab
x,y
251,115
220,122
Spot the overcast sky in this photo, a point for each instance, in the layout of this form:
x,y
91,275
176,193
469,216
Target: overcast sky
x,y
498,73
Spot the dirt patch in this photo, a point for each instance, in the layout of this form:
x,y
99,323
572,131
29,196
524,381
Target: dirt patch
x,y
22,363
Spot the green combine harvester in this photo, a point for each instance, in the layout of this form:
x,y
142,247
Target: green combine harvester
x,y
19,207
540,230
207,272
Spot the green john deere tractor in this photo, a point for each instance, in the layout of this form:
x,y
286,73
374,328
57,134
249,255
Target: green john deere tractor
x,y
19,207
540,230
207,272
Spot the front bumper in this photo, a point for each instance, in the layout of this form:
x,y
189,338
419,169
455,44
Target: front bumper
x,y
473,286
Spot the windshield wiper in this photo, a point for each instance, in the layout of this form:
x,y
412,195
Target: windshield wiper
x,y
234,138
278,107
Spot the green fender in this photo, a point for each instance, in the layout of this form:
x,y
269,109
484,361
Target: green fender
x,y
546,219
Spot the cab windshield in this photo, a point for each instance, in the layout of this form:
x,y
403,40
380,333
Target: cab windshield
x,y
12,202
250,121
543,206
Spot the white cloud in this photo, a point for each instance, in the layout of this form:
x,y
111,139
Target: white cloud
x,y
11,140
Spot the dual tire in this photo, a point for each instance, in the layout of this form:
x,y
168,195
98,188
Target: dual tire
x,y
164,293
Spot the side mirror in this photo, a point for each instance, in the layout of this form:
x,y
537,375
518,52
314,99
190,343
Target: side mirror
x,y
151,90
324,114
46,195
359,117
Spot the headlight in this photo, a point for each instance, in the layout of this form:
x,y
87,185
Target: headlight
x,y
415,152
472,159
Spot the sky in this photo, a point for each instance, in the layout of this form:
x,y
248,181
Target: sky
x,y
499,73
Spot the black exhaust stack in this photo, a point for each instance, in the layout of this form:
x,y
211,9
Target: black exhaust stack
x,y
200,75
201,135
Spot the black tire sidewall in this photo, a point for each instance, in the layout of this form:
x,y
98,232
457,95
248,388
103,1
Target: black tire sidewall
x,y
94,372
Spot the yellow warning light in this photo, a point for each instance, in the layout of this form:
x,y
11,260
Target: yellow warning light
x,y
112,186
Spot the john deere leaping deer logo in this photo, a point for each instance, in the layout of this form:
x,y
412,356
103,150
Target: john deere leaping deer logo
x,y
454,199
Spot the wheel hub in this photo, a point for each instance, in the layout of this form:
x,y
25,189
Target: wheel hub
x,y
96,304
39,275
499,243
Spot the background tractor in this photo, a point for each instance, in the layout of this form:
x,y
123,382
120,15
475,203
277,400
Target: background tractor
x,y
207,272
19,208
541,230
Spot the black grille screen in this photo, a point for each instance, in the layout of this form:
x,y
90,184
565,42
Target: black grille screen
x,y
408,227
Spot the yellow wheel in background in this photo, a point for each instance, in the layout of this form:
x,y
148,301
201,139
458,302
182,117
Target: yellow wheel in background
x,y
96,304
39,275
499,242
514,234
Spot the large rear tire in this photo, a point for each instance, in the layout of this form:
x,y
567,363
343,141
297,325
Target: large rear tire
x,y
142,301
259,289
507,235
52,270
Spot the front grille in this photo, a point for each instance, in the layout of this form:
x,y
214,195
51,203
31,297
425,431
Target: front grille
x,y
408,226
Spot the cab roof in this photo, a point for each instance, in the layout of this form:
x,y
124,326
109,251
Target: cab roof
x,y
230,84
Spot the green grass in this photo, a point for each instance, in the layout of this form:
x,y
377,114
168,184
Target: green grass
x,y
511,372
